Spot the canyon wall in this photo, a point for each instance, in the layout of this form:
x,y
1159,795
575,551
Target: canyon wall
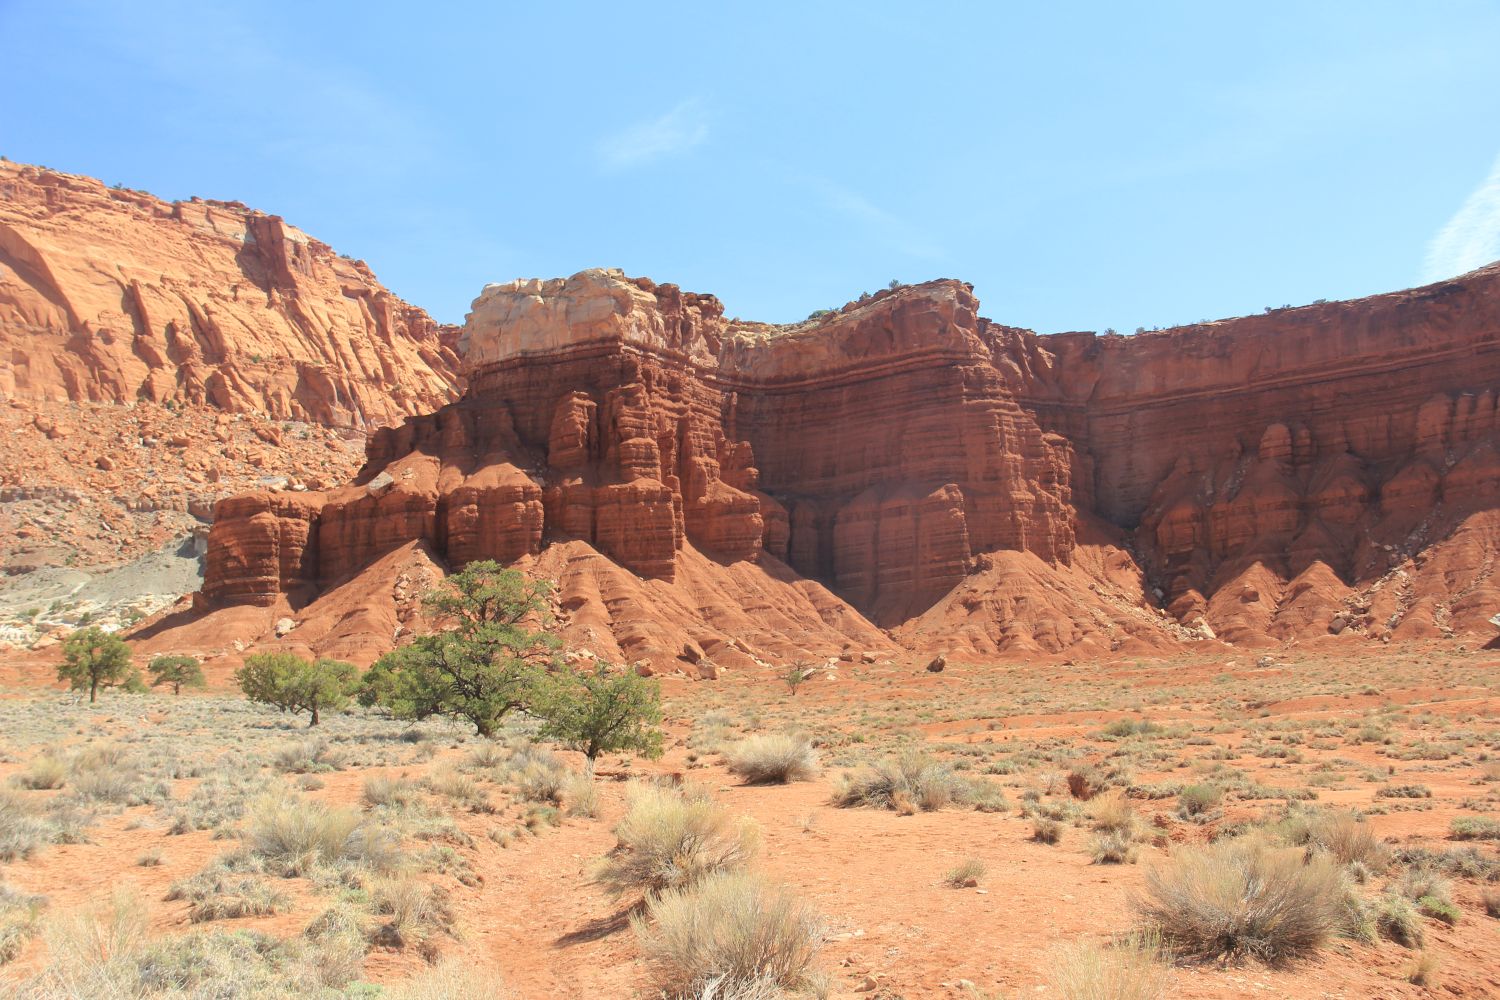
x,y
905,465
115,296
157,357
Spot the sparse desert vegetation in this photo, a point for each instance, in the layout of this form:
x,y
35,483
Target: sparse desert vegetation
x,y
379,849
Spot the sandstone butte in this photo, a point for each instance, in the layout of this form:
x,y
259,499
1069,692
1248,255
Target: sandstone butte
x,y
156,357
711,494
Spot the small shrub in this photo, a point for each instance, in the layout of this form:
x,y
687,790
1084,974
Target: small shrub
x,y
22,831
415,911
450,979
1124,728
294,835
44,772
1490,900
908,782
307,757
1396,919
1474,828
1423,970
1439,908
1113,847
1243,898
1113,814
1134,969
396,793
19,921
217,893
773,758
1349,839
581,796
732,930
1404,792
1196,801
1046,831
670,841
966,875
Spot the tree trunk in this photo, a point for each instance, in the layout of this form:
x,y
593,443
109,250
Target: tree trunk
x,y
93,690
314,721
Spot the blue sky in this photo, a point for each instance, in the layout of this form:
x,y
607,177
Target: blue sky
x,y
1085,165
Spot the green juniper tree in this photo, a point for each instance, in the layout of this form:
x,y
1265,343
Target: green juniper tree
x,y
293,684
94,658
597,711
177,670
488,661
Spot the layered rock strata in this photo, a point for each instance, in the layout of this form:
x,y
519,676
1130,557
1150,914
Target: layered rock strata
x,y
115,296
955,480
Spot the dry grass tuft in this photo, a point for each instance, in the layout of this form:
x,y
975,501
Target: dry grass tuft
x,y
1244,898
773,758
732,934
907,783
669,841
966,875
1133,969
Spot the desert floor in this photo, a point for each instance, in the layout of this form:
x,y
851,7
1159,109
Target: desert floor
x,y
500,860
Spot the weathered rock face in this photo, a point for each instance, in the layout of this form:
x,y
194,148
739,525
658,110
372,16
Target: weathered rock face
x,y
1276,467
1310,472
116,296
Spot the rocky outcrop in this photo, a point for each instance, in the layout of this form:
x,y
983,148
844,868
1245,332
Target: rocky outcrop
x,y
115,296
1274,468
1315,472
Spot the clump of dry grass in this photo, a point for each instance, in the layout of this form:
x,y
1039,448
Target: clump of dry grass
x,y
292,836
581,796
773,758
1397,920
1133,969
1046,831
909,782
966,875
396,793
19,921
45,771
668,840
1243,898
450,979
1349,839
22,830
1423,970
416,911
218,893
732,934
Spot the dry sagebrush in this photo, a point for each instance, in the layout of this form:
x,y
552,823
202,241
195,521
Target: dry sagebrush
x,y
773,758
1244,898
732,934
670,840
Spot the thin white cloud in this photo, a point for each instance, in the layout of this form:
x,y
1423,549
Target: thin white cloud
x,y
1472,237
886,228
677,131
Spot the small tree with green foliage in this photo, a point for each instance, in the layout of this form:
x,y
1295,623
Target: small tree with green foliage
x,y
597,711
177,670
295,685
485,666
94,658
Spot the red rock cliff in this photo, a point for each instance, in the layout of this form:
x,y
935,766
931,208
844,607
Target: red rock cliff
x,y
115,296
1316,471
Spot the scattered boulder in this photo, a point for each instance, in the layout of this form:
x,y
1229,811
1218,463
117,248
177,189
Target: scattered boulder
x,y
937,665
284,626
